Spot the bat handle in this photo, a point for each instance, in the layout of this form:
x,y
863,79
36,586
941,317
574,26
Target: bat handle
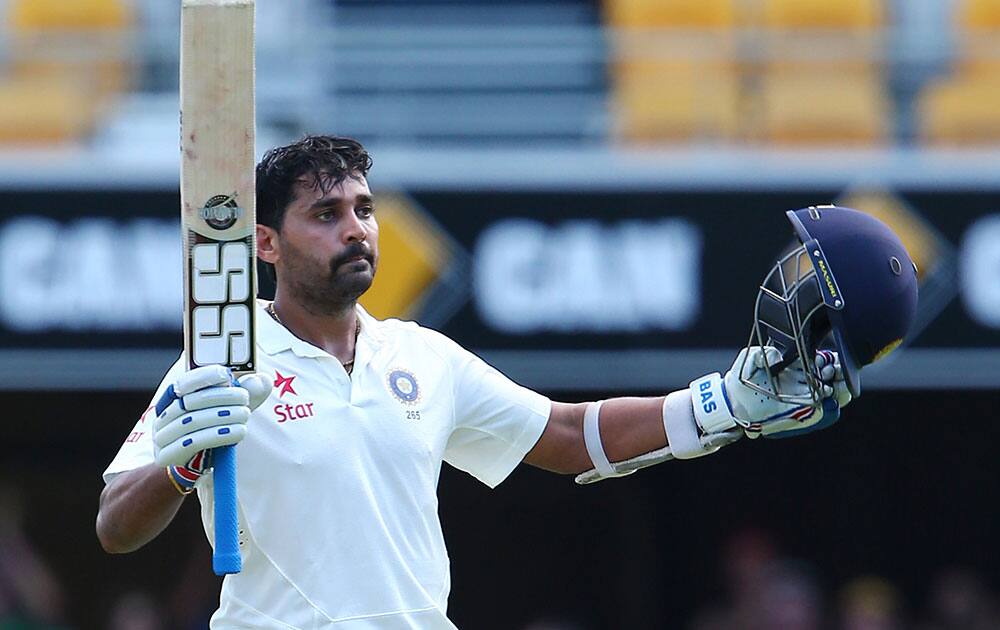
x,y
226,557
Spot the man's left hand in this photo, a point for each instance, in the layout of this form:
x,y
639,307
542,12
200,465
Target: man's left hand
x,y
762,415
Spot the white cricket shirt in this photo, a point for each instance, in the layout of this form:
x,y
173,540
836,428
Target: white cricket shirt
x,y
338,475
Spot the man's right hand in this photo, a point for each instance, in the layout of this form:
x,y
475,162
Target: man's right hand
x,y
206,408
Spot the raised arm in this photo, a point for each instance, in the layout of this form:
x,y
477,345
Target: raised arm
x,y
203,409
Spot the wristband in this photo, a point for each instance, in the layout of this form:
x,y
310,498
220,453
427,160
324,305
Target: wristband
x,y
593,442
184,477
680,426
595,445
173,477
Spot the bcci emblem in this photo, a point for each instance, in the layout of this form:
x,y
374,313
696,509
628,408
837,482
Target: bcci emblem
x,y
221,211
403,386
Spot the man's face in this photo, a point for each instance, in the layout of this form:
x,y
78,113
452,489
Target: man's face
x,y
327,249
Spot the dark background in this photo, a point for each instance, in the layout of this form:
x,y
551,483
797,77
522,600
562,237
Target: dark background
x,y
903,486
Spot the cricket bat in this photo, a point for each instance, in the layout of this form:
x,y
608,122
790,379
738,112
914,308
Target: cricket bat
x,y
218,215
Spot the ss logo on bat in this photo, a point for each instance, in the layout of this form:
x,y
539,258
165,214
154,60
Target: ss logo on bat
x,y
221,302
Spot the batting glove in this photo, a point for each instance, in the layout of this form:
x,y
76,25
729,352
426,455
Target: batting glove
x,y
722,402
205,408
184,477
806,419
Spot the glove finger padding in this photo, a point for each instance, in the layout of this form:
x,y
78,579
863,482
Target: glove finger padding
x,y
204,409
821,418
216,397
202,399
752,406
803,417
832,375
769,416
180,451
201,419
202,377
791,381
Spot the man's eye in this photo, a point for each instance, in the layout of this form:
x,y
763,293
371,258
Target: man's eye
x,y
366,211
325,216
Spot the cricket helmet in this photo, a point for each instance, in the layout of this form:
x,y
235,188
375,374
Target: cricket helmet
x,y
847,285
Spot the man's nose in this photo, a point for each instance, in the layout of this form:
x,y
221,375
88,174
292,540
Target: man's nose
x,y
355,230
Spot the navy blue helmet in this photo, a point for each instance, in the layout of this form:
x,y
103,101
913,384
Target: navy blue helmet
x,y
849,285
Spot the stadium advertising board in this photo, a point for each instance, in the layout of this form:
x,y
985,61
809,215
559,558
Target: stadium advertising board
x,y
561,290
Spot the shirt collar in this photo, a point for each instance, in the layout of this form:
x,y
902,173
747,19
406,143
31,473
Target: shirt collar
x,y
273,338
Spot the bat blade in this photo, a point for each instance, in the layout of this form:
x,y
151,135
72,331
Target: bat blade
x,y
218,215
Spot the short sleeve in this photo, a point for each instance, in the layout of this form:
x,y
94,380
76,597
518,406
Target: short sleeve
x,y
137,449
497,421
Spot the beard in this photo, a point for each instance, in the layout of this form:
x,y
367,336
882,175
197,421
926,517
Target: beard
x,y
335,288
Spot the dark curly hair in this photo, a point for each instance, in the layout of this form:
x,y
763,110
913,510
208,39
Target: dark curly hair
x,y
328,160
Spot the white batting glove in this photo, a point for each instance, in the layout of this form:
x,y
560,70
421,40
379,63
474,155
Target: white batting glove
x,y
832,375
206,408
715,411
722,402
773,418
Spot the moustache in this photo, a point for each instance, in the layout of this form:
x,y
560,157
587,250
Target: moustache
x,y
354,250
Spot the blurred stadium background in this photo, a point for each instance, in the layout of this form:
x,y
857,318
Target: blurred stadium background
x,y
586,193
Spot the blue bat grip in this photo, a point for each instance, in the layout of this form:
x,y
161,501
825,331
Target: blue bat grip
x,y
226,557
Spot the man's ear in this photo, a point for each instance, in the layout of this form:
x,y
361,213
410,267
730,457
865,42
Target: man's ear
x,y
267,244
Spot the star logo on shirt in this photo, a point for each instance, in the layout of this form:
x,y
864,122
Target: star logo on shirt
x,y
284,384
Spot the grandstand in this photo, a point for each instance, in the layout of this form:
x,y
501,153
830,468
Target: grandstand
x,y
95,79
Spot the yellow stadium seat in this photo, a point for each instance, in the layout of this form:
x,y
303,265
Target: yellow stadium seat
x,y
678,104
961,110
30,15
671,34
671,13
81,40
822,14
978,14
843,108
978,25
674,69
819,35
43,111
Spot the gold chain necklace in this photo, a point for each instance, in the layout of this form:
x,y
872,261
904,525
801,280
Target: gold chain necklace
x,y
349,365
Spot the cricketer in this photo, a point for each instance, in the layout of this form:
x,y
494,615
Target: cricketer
x,y
341,434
